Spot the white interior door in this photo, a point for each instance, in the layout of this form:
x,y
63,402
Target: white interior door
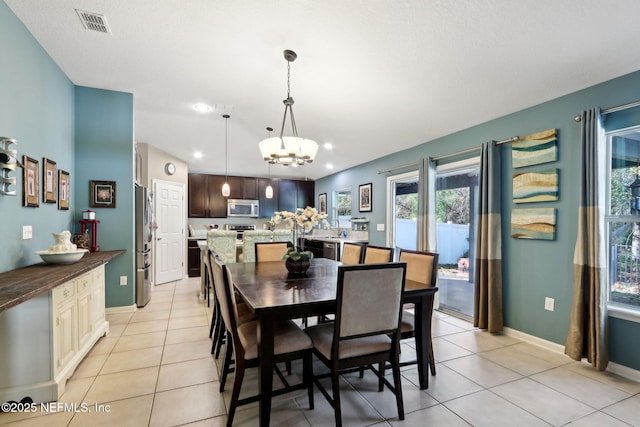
x,y
169,248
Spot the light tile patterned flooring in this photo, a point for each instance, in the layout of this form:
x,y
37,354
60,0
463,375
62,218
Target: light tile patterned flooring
x,y
154,368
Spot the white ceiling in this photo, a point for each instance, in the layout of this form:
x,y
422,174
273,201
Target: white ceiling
x,y
372,76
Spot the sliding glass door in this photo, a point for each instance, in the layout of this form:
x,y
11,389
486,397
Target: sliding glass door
x,y
456,210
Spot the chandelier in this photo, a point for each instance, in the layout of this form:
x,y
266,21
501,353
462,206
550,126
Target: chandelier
x,y
288,150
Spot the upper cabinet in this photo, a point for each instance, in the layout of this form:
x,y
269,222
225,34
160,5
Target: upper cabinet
x,y
205,196
206,201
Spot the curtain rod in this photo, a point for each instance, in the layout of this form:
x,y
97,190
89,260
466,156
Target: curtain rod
x,y
459,153
504,141
408,165
578,118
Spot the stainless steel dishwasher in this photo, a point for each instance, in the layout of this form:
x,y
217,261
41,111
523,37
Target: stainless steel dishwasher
x,y
331,250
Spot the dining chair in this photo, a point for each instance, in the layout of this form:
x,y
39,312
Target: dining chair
x,y
270,251
352,253
422,267
249,240
366,330
216,330
223,243
377,254
290,343
282,235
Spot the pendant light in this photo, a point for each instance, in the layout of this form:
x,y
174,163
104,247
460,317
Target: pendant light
x,y
288,150
226,190
268,192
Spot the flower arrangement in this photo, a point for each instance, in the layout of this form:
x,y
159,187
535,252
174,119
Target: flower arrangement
x,y
301,221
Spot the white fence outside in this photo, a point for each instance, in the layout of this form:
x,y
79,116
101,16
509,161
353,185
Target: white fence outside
x,y
452,239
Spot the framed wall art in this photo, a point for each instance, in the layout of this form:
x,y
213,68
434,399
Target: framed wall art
x,y
534,149
537,224
364,198
49,177
63,190
322,203
539,186
30,182
103,194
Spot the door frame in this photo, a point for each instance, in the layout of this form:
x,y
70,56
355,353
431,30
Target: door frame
x,y
183,208
391,180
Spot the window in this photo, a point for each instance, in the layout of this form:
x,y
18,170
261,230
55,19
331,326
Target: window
x,y
342,203
622,220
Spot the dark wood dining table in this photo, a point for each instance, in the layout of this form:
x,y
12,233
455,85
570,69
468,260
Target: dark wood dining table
x,y
273,294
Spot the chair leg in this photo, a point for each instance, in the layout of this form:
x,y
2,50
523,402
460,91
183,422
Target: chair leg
x,y
398,386
226,365
432,360
335,386
213,321
221,338
381,368
307,376
235,394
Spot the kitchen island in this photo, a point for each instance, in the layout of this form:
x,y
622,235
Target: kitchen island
x,y
50,317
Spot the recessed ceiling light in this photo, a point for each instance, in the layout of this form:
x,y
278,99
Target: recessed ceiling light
x,y
328,146
197,154
329,166
202,108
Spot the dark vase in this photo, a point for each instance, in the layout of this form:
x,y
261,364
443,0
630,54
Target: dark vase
x,y
297,267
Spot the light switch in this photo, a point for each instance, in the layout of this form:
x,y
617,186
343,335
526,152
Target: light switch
x,y
27,232
380,227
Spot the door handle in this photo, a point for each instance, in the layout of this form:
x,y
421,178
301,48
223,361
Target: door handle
x,y
158,238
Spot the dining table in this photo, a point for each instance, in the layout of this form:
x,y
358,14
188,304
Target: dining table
x,y
274,294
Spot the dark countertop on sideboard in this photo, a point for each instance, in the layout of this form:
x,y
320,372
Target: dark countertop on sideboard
x,y
22,284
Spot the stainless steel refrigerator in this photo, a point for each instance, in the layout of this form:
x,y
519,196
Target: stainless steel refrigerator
x,y
144,235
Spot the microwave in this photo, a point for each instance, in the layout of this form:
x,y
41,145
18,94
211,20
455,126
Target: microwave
x,y
245,208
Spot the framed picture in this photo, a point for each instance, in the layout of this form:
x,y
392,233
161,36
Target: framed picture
x,y
103,194
49,177
364,198
63,190
322,203
30,183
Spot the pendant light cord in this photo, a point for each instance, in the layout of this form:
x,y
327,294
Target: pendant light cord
x,y
226,146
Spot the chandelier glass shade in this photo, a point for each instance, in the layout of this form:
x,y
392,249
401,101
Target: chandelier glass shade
x,y
288,150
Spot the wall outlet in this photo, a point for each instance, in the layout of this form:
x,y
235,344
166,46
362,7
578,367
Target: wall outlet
x,y
27,232
549,303
123,280
379,227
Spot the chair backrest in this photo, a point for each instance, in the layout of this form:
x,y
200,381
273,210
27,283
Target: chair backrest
x,y
377,254
223,243
369,299
422,267
270,251
352,253
282,235
249,240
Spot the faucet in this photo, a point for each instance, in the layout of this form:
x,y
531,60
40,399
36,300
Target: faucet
x,y
337,221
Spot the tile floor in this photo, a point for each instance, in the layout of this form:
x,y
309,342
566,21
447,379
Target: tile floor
x,y
154,368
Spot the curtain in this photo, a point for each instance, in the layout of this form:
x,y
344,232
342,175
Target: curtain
x,y
587,325
427,206
488,274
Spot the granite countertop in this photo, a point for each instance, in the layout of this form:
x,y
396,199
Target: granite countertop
x,y
335,239
22,284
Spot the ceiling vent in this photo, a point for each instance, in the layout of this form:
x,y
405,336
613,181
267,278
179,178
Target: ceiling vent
x,y
93,21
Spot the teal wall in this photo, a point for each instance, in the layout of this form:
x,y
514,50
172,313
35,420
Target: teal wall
x,y
36,109
104,152
87,132
532,269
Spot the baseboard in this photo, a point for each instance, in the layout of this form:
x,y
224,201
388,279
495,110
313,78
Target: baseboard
x,y
121,309
531,339
623,371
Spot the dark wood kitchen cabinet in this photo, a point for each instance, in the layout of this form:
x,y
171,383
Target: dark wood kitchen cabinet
x,y
243,188
193,258
267,206
305,193
294,194
205,196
